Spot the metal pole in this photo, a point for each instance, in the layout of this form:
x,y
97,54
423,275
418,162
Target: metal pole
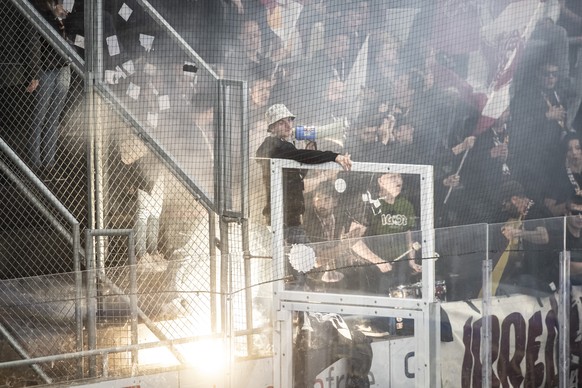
x,y
564,313
213,270
91,300
145,319
78,295
37,204
248,284
224,271
38,184
97,352
486,308
175,36
177,172
133,298
20,350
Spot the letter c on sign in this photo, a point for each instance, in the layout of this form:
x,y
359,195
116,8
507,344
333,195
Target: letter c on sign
x,y
407,373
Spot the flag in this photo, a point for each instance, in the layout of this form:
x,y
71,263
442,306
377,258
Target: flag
x,y
356,81
507,36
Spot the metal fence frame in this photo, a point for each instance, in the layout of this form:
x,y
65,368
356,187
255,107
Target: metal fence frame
x,y
96,91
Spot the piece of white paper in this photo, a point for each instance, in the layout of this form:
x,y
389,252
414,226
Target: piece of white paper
x,y
125,12
153,119
80,41
119,73
113,45
133,91
129,67
146,41
110,77
68,5
164,102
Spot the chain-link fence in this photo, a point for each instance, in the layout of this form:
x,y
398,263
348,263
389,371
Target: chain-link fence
x,y
134,151
44,194
149,117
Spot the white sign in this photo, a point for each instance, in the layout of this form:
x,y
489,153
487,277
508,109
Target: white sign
x,y
524,343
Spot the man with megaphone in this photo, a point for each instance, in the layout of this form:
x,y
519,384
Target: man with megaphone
x,y
278,145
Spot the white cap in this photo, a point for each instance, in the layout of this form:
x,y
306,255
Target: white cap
x,y
277,112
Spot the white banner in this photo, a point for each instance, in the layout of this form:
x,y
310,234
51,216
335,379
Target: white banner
x,y
524,343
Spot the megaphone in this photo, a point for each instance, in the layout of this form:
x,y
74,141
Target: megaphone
x,y
335,132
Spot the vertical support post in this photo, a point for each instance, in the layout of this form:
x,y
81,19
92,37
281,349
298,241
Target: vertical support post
x,y
486,308
89,113
133,298
224,271
282,346
78,295
225,286
564,313
245,145
213,270
248,284
91,301
99,146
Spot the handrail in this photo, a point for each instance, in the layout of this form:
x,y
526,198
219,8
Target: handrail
x,y
98,352
159,19
73,238
120,108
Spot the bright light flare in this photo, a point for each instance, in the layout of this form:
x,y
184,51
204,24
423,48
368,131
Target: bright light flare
x,y
208,357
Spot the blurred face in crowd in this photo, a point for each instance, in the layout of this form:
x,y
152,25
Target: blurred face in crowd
x,y
283,128
404,134
251,36
574,153
324,203
390,185
261,92
549,75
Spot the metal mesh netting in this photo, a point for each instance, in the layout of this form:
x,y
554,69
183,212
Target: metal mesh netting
x,y
38,319
172,302
166,139
46,127
163,88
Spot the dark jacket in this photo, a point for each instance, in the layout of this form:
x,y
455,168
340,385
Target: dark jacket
x,y
274,147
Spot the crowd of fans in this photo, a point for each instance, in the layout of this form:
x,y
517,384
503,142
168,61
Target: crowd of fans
x,y
414,97
422,98
409,81
419,83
